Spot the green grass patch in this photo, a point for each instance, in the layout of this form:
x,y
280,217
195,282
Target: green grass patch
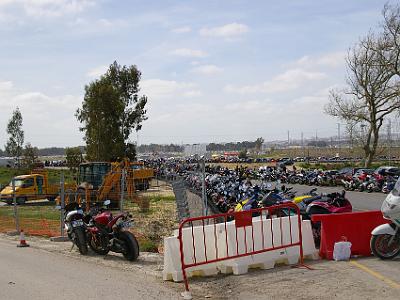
x,y
161,198
32,212
147,245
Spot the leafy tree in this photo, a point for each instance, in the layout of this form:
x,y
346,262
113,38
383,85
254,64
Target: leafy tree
x,y
74,158
30,156
243,154
111,110
16,140
258,144
373,83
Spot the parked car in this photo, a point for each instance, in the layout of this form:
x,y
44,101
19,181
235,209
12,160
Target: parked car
x,y
388,170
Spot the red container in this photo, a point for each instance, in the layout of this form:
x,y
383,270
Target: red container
x,y
355,226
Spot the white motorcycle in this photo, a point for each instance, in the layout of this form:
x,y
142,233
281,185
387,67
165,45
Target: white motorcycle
x,y
385,240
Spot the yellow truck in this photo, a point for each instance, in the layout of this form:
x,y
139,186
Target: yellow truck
x,y
34,186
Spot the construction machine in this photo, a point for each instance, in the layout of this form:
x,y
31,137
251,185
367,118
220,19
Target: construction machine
x,y
98,181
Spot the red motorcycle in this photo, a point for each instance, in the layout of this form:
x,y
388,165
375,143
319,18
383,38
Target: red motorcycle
x,y
106,232
333,203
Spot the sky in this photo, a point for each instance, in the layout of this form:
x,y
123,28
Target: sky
x,y
213,71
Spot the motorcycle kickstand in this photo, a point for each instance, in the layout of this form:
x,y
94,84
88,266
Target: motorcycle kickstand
x,y
73,244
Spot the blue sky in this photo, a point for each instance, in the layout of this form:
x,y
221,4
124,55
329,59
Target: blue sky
x,y
214,71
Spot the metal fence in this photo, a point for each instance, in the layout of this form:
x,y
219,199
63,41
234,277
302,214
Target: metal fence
x,y
154,211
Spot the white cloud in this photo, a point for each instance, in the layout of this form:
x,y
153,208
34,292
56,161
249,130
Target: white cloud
x,y
184,29
159,88
186,52
332,60
49,8
207,70
192,93
36,107
5,86
97,71
287,81
55,8
252,107
226,31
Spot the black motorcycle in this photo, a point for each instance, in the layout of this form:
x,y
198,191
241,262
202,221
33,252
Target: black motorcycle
x,y
75,226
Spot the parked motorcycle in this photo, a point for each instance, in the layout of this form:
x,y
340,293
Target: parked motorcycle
x,y
385,240
109,233
388,185
75,226
304,200
328,204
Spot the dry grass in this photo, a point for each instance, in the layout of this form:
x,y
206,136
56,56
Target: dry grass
x,y
154,215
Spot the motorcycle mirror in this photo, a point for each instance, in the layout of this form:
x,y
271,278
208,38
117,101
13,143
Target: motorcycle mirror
x,y
107,202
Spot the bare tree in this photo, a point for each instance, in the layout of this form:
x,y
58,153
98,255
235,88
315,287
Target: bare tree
x,y
372,92
389,42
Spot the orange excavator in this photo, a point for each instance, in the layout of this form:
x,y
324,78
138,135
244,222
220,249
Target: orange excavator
x,y
98,181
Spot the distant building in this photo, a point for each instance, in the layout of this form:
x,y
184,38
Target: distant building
x,y
4,161
195,149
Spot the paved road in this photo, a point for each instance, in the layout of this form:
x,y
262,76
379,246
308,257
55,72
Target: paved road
x,y
28,273
359,200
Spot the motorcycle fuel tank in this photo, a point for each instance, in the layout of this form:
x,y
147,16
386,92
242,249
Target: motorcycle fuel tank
x,y
103,218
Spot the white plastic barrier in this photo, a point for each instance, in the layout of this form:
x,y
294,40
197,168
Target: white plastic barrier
x,y
204,243
221,241
268,233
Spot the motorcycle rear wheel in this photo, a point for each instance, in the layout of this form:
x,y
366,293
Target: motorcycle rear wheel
x,y
381,249
131,252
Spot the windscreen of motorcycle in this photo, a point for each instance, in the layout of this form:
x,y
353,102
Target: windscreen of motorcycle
x,y
396,189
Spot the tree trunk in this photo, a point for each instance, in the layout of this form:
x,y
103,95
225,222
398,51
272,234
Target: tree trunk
x,y
370,150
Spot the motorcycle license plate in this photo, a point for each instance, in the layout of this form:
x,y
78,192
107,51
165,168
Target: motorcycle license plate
x,y
126,224
77,223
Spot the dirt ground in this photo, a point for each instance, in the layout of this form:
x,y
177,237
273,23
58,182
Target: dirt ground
x,y
336,280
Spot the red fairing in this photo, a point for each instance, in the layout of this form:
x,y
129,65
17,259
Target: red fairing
x,y
103,218
116,218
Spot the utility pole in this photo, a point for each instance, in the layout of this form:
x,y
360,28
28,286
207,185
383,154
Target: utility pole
x,y
203,185
15,207
302,143
121,202
288,138
62,203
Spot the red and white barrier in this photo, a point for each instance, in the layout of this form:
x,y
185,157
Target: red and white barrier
x,y
251,240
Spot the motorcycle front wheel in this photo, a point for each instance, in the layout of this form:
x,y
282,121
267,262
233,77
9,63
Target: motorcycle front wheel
x,y
80,240
131,251
380,246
